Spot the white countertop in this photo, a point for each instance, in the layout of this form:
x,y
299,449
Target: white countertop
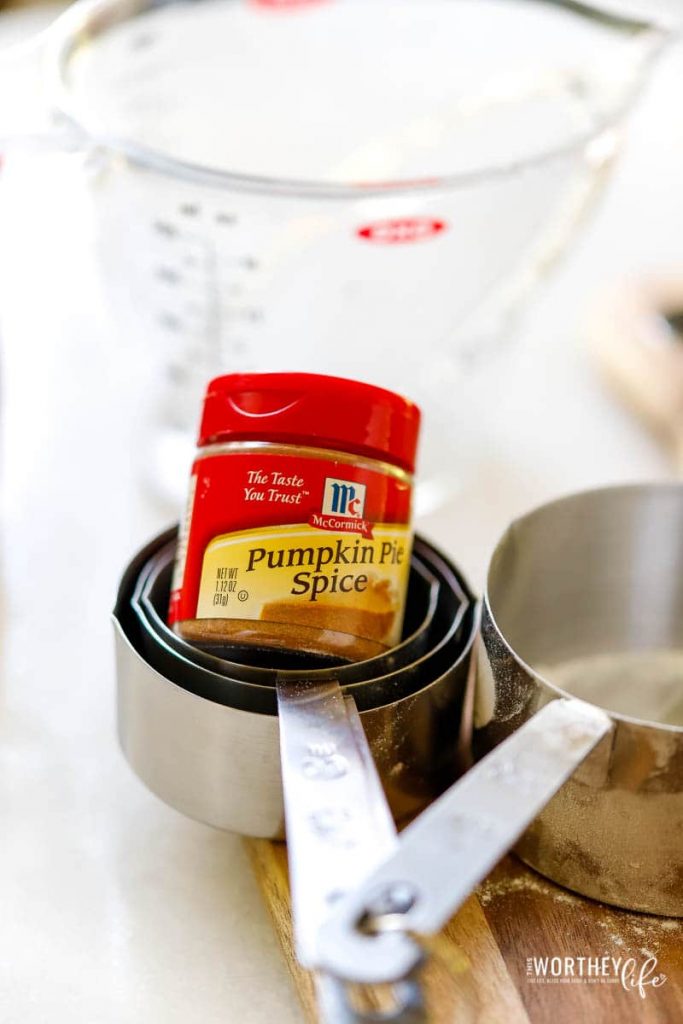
x,y
116,909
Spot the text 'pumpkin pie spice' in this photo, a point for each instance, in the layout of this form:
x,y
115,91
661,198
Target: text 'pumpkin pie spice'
x,y
298,525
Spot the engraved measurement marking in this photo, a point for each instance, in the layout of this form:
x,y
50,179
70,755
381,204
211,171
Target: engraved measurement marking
x,y
324,761
322,748
472,828
163,227
511,774
170,322
328,766
168,274
335,825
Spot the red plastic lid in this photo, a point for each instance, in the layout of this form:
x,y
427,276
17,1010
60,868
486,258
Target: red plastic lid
x,y
311,410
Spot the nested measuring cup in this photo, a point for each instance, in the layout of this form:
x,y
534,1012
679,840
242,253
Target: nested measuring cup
x,y
258,665
346,186
242,688
208,744
211,746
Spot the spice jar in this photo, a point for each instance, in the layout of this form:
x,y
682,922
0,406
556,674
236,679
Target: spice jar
x,y
297,533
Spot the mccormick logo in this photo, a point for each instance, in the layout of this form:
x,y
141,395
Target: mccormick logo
x,y
343,507
343,498
401,231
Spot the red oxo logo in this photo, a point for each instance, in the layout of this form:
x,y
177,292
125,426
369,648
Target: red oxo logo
x,y
400,231
285,4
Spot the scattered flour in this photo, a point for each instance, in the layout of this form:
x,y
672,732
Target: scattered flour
x,y
635,933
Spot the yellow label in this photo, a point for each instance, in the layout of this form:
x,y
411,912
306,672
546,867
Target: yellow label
x,y
308,577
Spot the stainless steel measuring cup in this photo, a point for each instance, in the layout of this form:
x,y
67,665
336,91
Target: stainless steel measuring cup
x,y
209,745
582,622
592,577
212,746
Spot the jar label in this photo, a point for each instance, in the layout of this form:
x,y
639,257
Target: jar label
x,y
301,545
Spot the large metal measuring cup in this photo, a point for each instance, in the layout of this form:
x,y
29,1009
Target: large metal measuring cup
x,y
592,796
596,574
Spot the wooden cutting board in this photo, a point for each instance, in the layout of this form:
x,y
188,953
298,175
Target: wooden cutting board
x,y
482,969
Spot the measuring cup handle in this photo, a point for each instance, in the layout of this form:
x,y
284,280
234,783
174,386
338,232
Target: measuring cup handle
x,y
453,845
29,122
337,819
337,1005
338,828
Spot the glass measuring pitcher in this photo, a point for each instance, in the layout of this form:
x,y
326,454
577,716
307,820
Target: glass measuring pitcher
x,y
356,187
